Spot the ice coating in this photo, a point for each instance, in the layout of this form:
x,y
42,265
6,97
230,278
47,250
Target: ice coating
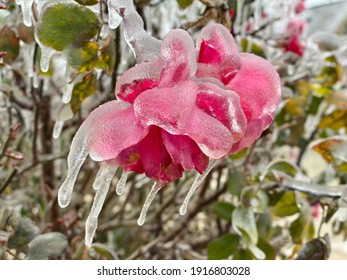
x,y
68,92
149,199
102,185
57,129
144,46
197,182
114,19
46,54
121,183
26,10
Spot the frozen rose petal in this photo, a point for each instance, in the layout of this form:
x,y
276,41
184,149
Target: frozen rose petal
x,y
169,108
185,151
177,57
223,105
111,128
136,80
218,55
258,85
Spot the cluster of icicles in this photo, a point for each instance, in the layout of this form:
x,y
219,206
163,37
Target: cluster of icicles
x,y
146,48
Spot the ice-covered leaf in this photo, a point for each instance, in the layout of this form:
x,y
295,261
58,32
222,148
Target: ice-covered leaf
x,y
302,229
335,120
184,3
104,251
286,205
63,25
107,56
243,220
253,48
264,225
87,2
83,58
257,199
283,166
316,249
24,230
223,210
47,246
9,44
331,73
82,90
236,182
268,250
223,247
26,34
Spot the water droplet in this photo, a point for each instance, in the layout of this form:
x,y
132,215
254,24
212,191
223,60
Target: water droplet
x,y
106,173
121,183
149,199
195,186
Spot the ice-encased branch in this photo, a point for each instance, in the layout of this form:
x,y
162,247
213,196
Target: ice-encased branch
x,y
144,46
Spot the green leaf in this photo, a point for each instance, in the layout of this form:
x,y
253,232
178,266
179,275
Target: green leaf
x,y
223,210
184,3
270,252
257,199
63,25
24,230
47,246
243,221
87,2
255,48
283,166
264,225
236,182
104,251
82,90
316,249
83,58
286,206
9,44
223,247
335,120
302,228
239,155
331,73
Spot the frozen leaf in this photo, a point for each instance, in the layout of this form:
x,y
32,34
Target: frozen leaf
x,y
257,199
335,120
243,220
87,2
316,249
302,229
331,73
223,247
104,251
63,25
282,166
83,58
107,57
26,34
254,48
269,251
24,230
47,246
184,3
236,182
82,90
9,44
223,210
264,225
286,205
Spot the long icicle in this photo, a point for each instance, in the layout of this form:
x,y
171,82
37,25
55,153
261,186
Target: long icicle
x,y
121,183
99,178
149,199
195,186
106,174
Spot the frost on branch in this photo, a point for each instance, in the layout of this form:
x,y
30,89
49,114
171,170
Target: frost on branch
x,y
176,112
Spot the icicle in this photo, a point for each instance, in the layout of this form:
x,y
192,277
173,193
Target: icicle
x,y
121,183
114,19
26,10
68,92
148,202
104,178
77,155
36,80
194,187
57,129
46,54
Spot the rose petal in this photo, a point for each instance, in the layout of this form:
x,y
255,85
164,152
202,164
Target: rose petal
x,y
111,128
185,151
258,85
177,57
218,55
